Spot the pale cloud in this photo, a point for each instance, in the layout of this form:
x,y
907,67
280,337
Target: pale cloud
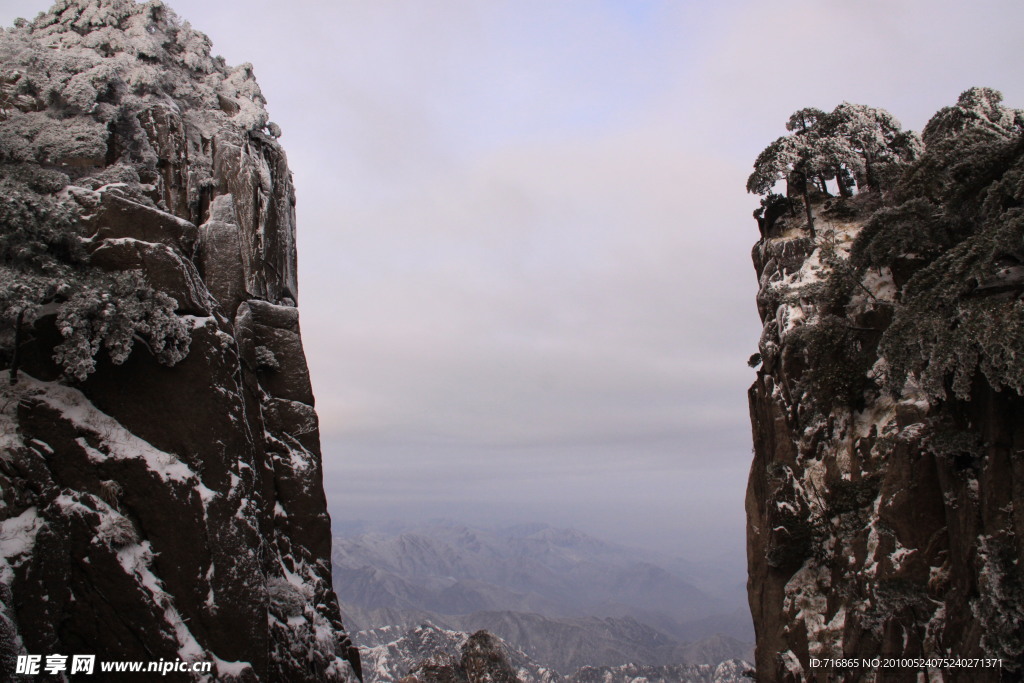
x,y
526,287
549,289
910,56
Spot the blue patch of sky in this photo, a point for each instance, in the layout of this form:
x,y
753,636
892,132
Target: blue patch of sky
x,y
571,72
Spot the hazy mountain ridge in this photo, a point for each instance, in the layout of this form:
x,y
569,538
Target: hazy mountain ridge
x,y
550,571
564,598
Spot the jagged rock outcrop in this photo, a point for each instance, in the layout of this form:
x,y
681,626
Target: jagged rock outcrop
x,y
154,504
482,659
430,654
884,500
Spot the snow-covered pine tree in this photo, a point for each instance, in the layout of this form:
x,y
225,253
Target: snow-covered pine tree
x,y
855,145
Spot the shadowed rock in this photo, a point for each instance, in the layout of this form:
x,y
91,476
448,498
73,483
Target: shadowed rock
x,y
150,511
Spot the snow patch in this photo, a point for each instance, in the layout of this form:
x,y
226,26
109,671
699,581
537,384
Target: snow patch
x,y
807,601
871,568
116,441
226,668
881,285
792,664
972,489
17,538
899,556
136,560
42,445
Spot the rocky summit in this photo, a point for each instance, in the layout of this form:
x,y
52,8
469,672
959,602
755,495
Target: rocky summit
x,y
160,469
884,502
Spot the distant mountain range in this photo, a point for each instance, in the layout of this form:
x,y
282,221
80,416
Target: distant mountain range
x,y
563,598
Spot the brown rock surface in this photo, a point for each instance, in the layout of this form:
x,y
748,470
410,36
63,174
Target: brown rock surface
x,y
164,268
865,538
150,511
116,217
220,255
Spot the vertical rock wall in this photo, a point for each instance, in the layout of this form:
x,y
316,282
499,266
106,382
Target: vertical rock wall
x,y
879,524
149,511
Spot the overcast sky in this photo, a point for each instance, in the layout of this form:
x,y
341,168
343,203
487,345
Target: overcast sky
x,y
525,283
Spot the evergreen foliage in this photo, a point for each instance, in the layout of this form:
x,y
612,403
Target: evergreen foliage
x,y
838,360
772,207
44,269
122,310
854,145
914,230
951,226
977,110
945,330
958,219
869,142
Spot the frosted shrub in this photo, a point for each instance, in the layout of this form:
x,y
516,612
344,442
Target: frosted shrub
x,y
976,108
838,358
43,267
38,246
266,360
1000,602
944,336
285,599
34,136
114,319
915,227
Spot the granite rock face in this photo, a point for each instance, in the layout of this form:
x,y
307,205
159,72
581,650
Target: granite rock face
x,y
149,511
884,499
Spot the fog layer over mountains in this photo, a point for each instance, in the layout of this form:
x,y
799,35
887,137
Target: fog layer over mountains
x,y
564,598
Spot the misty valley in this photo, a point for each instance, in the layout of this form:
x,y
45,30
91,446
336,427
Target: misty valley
x,y
508,441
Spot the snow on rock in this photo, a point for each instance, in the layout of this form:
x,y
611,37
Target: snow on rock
x,y
877,523
170,504
429,653
111,438
17,537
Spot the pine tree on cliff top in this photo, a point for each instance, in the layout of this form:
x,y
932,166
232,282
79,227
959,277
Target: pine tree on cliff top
x,y
855,145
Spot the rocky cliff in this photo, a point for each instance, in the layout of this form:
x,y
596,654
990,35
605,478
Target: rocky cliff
x,y
884,504
160,472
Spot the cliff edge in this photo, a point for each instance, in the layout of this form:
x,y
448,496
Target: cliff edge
x,y
884,500
160,468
